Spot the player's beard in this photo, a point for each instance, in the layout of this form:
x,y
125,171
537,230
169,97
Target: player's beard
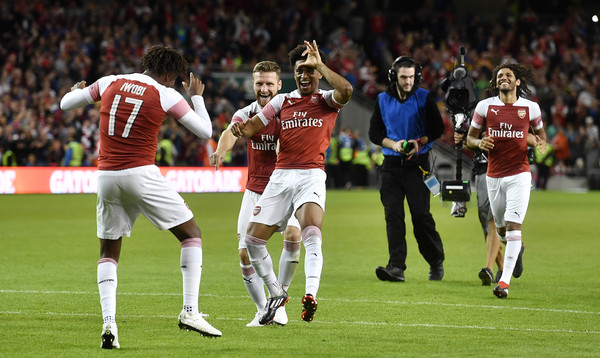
x,y
506,90
263,101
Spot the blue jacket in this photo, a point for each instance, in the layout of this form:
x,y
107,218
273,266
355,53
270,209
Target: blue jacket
x,y
413,118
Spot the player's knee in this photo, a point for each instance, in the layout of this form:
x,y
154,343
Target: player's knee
x,y
292,234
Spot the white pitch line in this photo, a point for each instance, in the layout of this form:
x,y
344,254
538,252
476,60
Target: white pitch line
x,y
459,305
356,323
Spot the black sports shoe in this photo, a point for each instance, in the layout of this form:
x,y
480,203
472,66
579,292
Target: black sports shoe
x,y
518,271
498,276
486,276
499,291
273,304
110,336
309,307
436,272
390,273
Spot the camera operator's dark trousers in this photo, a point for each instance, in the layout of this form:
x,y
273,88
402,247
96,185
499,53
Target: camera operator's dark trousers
x,y
403,179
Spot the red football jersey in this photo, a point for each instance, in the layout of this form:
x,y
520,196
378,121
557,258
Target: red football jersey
x,y
132,110
262,149
508,125
306,126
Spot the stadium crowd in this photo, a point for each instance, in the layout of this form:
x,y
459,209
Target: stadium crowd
x,y
47,46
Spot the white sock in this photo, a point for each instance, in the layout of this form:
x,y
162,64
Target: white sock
x,y
191,270
254,286
107,286
263,264
288,263
313,258
511,253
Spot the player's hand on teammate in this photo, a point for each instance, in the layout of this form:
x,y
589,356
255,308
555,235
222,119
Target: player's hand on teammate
x,y
236,129
194,87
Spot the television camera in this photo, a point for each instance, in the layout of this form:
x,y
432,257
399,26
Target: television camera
x,y
460,100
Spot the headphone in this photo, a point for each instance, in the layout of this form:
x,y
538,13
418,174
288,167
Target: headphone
x,y
393,76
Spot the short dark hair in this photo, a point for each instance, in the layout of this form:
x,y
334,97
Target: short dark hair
x,y
161,60
296,54
521,72
267,66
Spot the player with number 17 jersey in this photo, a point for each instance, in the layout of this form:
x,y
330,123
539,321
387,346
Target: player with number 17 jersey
x,y
508,125
133,108
306,126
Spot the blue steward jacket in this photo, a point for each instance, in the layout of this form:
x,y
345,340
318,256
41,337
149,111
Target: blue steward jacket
x,y
413,118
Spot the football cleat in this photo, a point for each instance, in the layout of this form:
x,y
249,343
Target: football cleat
x,y
254,322
309,307
195,322
501,291
486,276
518,271
281,317
110,336
273,304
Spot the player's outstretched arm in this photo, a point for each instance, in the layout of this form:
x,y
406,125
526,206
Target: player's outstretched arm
x,y
78,97
226,143
248,128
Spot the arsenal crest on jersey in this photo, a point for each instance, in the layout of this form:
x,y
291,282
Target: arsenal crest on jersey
x,y
256,210
314,98
522,112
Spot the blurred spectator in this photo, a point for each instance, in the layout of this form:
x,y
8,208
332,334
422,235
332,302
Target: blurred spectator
x,y
592,145
46,46
560,144
559,111
346,145
74,154
543,163
361,163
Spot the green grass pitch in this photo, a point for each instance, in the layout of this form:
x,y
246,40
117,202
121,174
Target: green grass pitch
x,y
49,303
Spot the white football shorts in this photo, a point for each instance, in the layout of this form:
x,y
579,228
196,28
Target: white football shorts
x,y
288,189
509,197
124,194
248,204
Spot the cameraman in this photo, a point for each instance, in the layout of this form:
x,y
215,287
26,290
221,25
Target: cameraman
x,y
405,122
